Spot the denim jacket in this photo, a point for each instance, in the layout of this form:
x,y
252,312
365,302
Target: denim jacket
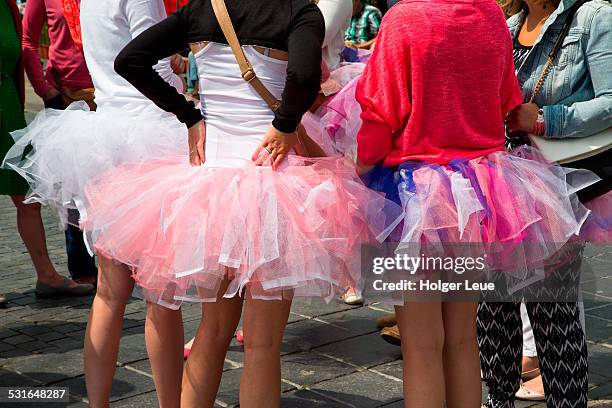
x,y
577,94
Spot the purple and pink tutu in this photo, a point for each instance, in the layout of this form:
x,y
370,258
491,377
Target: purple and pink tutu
x,y
294,232
514,208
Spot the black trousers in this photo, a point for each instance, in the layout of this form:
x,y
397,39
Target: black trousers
x,y
561,346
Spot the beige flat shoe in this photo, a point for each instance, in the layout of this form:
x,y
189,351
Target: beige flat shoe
x,y
527,394
530,374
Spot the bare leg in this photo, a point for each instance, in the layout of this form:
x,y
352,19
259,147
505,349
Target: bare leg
x,y
264,324
104,330
422,333
461,359
164,338
202,374
32,232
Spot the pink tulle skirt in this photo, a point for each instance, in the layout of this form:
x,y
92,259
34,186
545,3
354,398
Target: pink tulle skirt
x,y
185,230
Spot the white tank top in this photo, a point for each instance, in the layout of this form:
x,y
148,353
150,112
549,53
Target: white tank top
x,y
237,118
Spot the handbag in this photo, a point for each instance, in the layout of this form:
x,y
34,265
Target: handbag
x,y
593,152
306,147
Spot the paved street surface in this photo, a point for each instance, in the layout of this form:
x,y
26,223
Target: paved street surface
x,y
332,354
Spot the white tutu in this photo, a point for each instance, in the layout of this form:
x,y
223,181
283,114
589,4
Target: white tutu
x,y
60,151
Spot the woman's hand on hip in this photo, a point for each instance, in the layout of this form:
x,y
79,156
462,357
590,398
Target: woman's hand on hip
x,y
523,117
197,140
274,147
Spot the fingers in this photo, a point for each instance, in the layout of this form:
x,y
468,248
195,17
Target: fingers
x,y
263,159
257,153
194,156
278,160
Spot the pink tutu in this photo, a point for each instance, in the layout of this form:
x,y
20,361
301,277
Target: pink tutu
x,y
341,120
294,232
335,124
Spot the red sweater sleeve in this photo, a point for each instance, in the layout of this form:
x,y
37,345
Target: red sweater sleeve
x,y
384,91
33,21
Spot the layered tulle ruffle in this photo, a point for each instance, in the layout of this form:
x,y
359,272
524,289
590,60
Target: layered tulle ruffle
x,y
60,151
513,208
295,232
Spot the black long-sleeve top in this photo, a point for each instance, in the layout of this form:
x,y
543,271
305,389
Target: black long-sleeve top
x,y
295,26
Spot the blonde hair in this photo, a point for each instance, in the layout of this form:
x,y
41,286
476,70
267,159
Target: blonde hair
x,y
511,7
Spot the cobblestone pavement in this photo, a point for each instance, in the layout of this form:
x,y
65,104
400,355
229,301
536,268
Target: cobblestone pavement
x,y
332,355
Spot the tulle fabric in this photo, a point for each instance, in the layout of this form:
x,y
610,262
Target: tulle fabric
x,y
341,120
60,151
598,226
336,124
294,232
513,208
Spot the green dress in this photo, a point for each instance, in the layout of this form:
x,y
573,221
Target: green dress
x,y
11,110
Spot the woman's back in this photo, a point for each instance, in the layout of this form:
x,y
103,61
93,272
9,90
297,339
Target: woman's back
x,y
107,26
448,81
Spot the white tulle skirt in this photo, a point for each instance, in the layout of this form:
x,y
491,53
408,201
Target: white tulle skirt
x,y
60,151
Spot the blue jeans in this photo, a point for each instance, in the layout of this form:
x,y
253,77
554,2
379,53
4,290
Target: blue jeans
x,y
80,263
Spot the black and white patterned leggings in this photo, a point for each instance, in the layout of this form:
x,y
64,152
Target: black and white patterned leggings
x,y
560,343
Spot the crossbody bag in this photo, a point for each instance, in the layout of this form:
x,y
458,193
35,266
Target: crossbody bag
x,y
306,147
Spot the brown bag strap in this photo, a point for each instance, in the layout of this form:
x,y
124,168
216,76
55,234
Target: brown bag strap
x,y
246,69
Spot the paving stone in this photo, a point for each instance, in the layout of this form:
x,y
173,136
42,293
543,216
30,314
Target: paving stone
x,y
230,387
601,391
8,354
17,340
10,378
148,399
362,389
308,399
310,368
605,312
126,384
393,369
308,334
34,330
33,345
365,351
6,347
600,360
132,348
317,307
69,327
358,321
66,344
50,368
597,329
596,379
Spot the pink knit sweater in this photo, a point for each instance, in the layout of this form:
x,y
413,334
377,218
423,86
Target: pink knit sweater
x,y
439,83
